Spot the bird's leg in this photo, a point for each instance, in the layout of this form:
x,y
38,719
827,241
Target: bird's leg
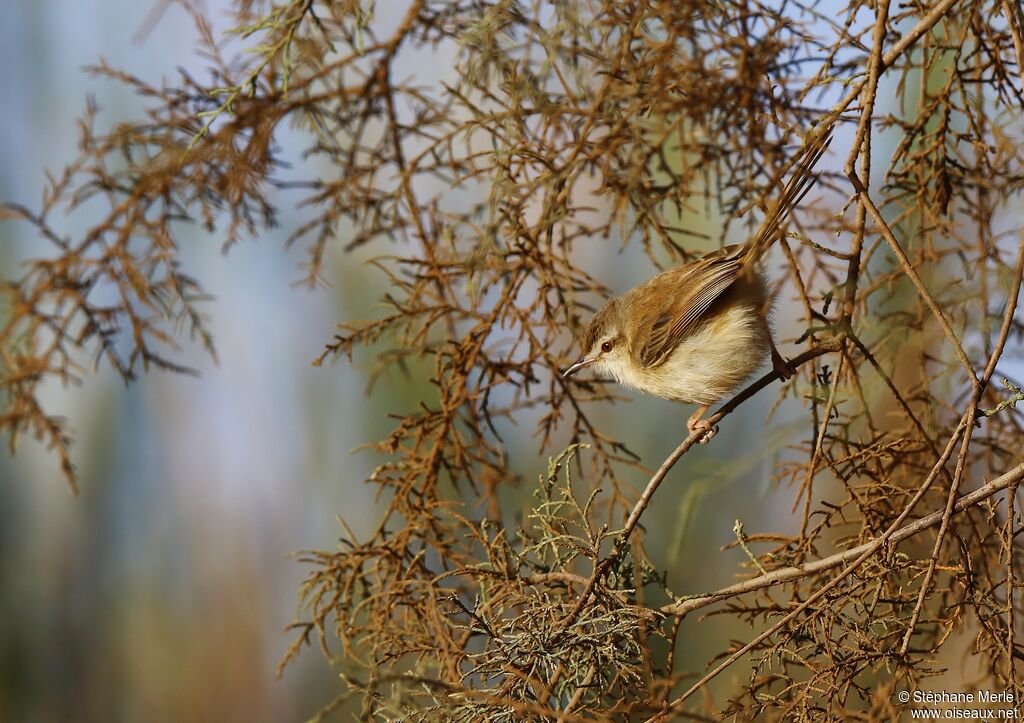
x,y
695,423
781,365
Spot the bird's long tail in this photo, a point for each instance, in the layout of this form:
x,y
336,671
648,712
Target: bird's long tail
x,y
799,184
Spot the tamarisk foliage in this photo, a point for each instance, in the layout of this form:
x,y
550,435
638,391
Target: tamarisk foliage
x,y
561,126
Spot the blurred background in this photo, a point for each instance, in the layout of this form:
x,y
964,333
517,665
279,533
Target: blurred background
x,y
161,592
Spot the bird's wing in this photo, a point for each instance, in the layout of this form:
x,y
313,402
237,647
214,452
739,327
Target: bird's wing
x,y
672,305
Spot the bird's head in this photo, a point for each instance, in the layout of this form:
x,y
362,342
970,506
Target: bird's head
x,y
604,344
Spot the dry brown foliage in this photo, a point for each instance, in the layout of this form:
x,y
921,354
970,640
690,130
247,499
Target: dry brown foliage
x,y
563,125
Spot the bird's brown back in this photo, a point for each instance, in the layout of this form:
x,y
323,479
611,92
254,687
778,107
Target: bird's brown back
x,y
670,306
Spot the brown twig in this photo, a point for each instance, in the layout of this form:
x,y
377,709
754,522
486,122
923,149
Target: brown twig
x,y
789,574
872,548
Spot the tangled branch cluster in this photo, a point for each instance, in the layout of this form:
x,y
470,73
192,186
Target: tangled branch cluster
x,y
564,125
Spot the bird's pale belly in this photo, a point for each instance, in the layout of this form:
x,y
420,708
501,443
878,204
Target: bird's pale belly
x,y
711,363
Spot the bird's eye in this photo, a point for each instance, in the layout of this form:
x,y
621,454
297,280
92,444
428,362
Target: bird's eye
x,y
606,347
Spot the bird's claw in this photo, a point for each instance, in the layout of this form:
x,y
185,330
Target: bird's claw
x,y
702,425
782,366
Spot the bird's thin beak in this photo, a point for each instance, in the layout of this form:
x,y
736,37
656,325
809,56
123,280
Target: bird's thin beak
x,y
582,362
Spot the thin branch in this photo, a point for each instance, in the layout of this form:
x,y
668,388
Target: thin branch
x,y
872,548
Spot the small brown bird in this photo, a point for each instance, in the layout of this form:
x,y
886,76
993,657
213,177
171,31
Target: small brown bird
x,y
694,333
